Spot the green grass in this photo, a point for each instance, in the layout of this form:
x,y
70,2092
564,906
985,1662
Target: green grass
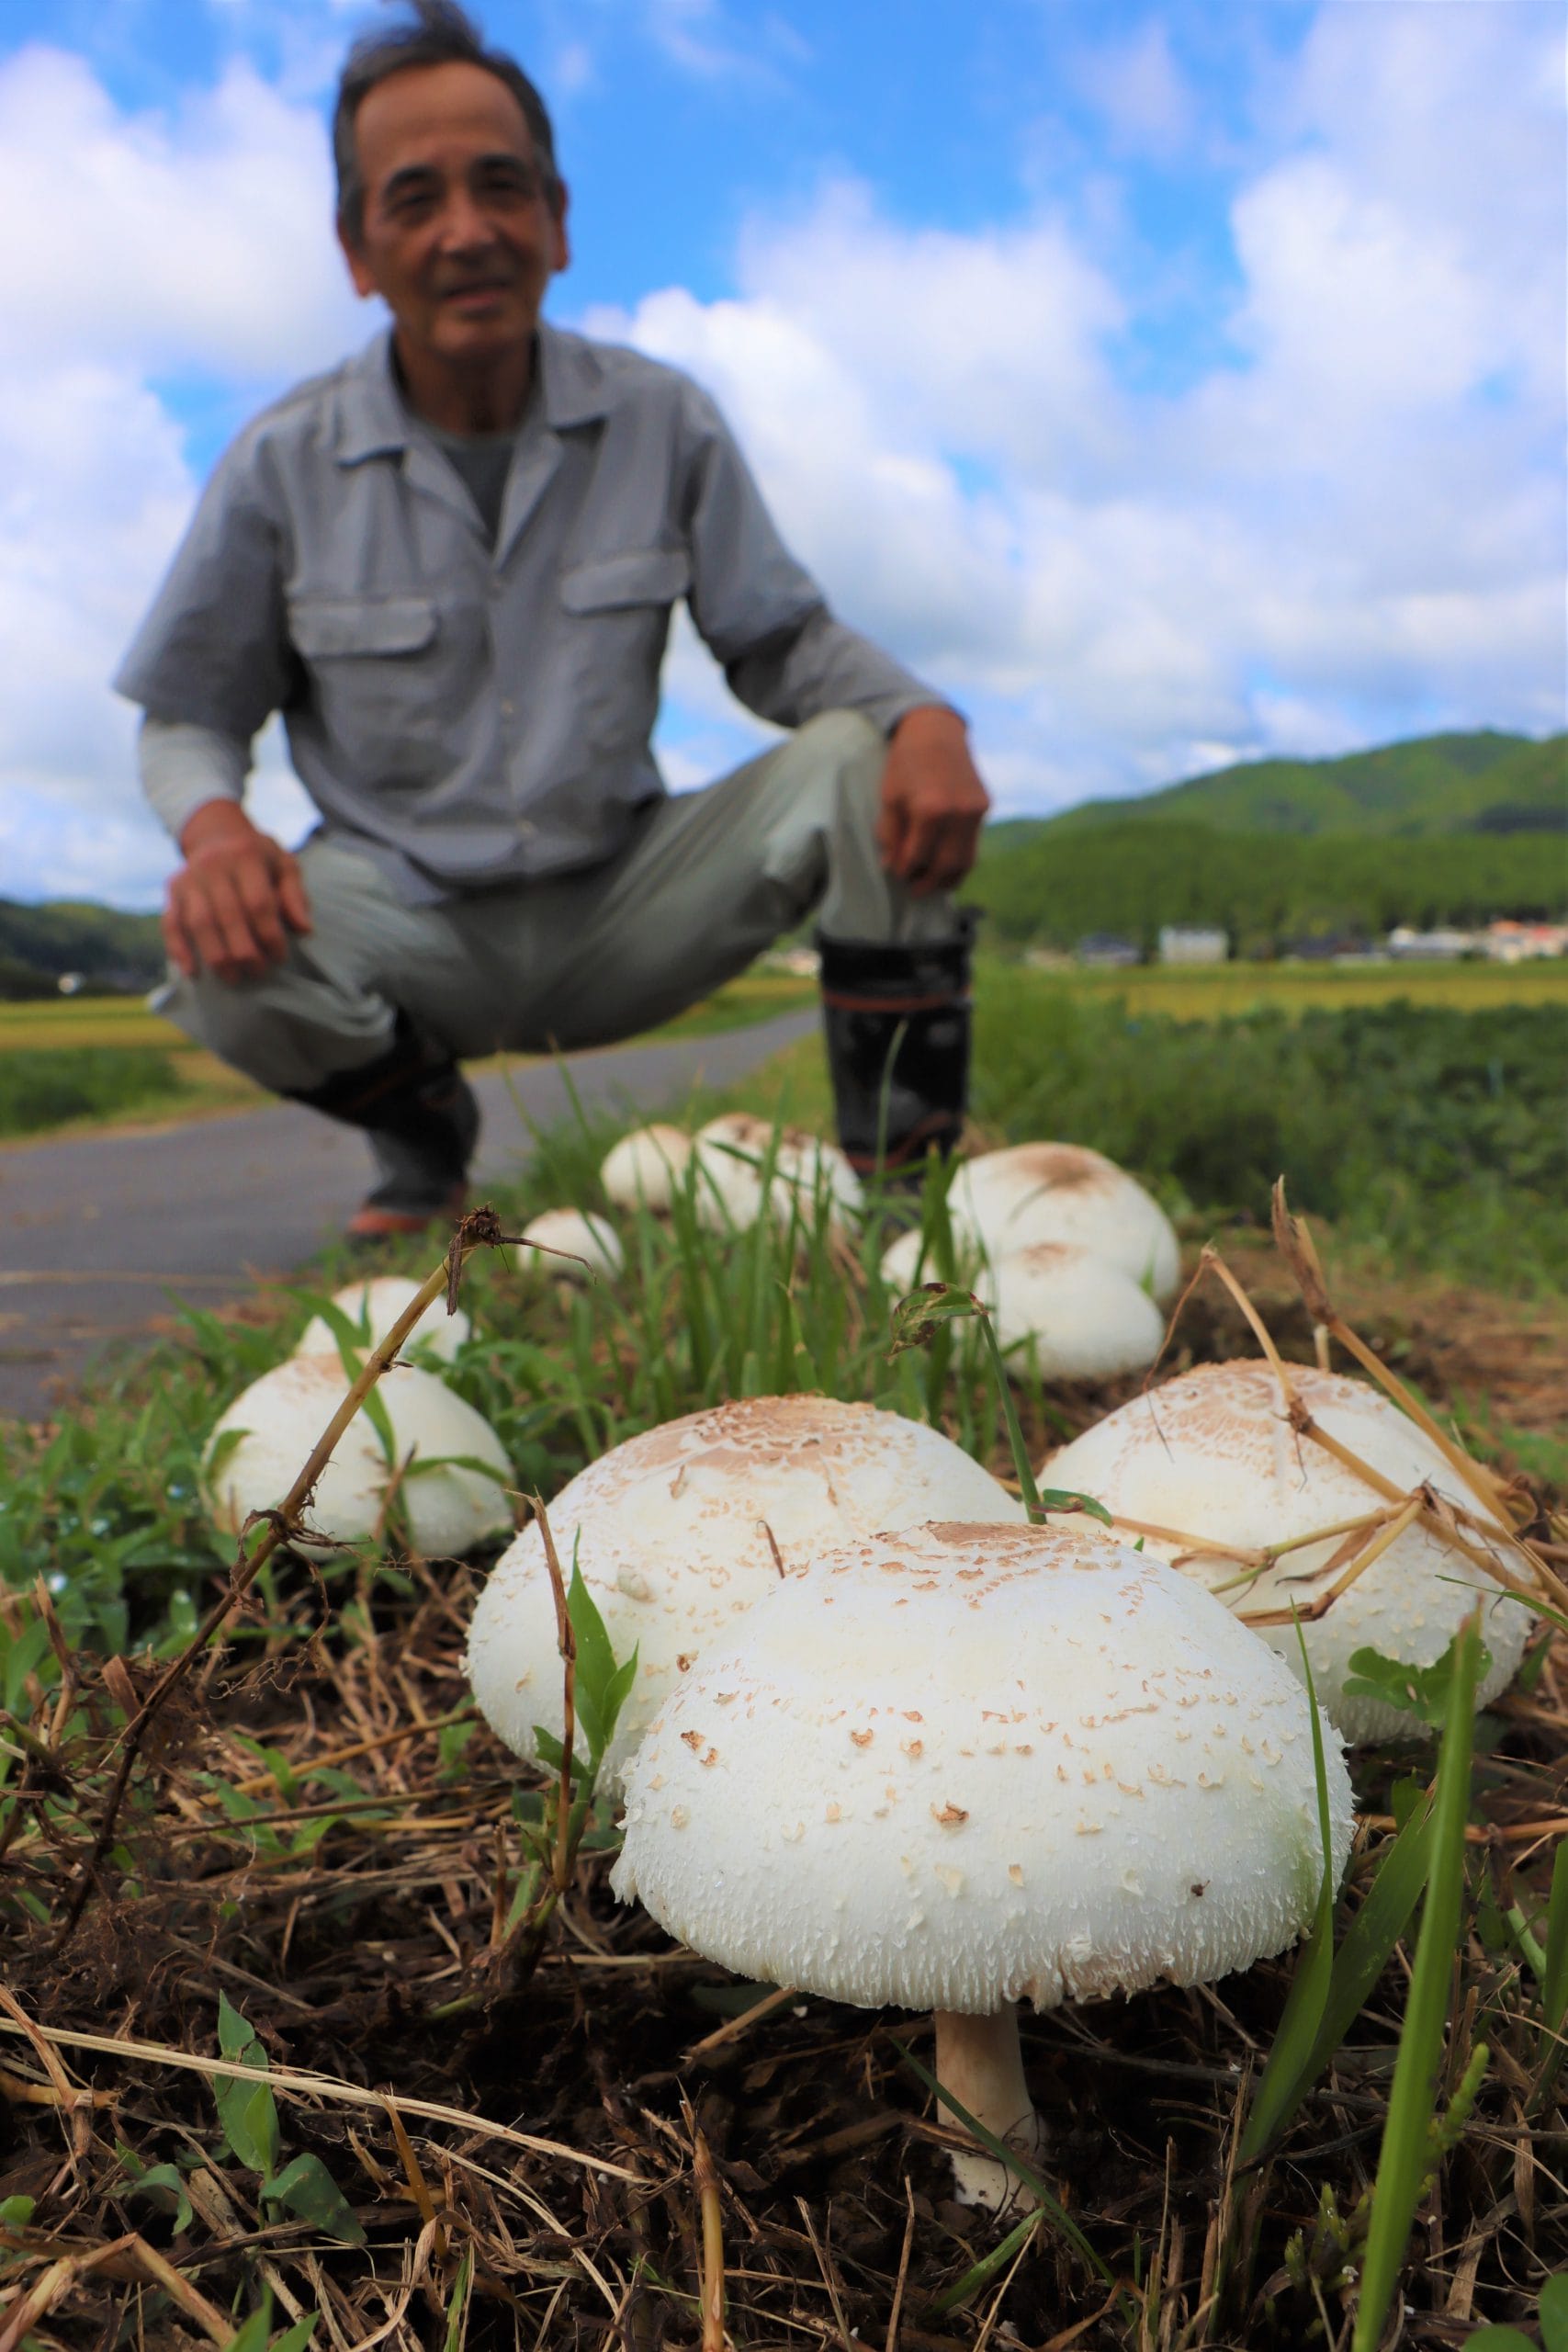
x,y
104,1506
1432,1138
51,1089
98,1062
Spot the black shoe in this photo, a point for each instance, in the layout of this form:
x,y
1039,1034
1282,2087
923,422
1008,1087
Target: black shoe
x,y
896,1022
423,1121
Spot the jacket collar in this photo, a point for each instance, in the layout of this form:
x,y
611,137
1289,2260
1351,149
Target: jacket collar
x,y
372,421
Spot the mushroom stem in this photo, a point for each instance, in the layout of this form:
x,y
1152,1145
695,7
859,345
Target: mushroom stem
x,y
980,2062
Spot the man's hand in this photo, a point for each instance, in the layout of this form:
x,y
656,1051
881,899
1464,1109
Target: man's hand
x,y
234,902
933,803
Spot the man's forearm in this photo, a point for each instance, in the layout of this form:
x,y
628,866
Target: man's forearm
x,y
185,768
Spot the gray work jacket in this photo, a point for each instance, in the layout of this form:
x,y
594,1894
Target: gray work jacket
x,y
479,715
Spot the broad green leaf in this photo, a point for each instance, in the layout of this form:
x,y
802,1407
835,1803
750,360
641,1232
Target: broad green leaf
x,y
622,1682
162,2183
254,2336
550,1749
1420,1690
595,1657
965,2289
16,2212
1403,2157
916,1317
247,2111
308,2188
1553,2312
1066,1499
1498,2339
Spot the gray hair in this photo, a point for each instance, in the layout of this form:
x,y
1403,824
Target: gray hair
x,y
439,32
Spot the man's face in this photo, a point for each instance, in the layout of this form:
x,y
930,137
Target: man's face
x,y
457,237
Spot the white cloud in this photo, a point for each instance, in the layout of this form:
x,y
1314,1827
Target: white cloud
x,y
1350,528
1142,93
200,241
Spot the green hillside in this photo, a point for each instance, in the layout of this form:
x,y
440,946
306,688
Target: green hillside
x,y
1438,784
68,936
1055,884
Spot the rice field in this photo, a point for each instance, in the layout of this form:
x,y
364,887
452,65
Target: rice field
x,y
317,2029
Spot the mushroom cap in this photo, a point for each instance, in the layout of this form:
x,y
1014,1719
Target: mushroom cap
x,y
1062,1192
1211,1455
670,1532
730,1188
284,1414
645,1168
950,1767
572,1245
903,1266
376,1305
807,1167
1086,1317
729,1191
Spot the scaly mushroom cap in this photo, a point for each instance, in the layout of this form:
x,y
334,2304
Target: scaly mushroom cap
x,y
1210,1454
950,1767
671,1530
375,1306
571,1246
1060,1192
645,1168
285,1412
1081,1316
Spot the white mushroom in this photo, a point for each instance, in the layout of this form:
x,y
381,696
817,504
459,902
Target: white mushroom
x,y
1075,1313
572,1245
808,1169
729,1153
1212,1456
1060,1192
732,1153
646,1168
957,1766
279,1418
680,1529
374,1306
912,1259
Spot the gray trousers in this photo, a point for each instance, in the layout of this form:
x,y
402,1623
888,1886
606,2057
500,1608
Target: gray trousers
x,y
706,882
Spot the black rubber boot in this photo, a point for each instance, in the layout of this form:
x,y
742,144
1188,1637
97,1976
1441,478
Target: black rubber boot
x,y
420,1114
897,1020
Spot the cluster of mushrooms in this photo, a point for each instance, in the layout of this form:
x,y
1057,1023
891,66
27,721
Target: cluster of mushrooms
x,y
888,1741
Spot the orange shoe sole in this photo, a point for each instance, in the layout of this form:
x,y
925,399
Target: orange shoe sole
x,y
370,1222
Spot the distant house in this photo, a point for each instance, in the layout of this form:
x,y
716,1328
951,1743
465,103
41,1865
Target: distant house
x,y
1522,943
1188,944
1441,946
1104,951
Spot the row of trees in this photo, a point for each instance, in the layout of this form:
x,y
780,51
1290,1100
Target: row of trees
x,y
1053,886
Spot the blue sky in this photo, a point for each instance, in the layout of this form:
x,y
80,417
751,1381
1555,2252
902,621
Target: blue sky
x,y
1170,385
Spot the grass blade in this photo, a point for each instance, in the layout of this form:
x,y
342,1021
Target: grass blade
x,y
1404,2158
1358,1964
1050,2210
1285,2076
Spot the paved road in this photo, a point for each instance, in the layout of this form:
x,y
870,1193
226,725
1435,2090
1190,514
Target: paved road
x,y
95,1231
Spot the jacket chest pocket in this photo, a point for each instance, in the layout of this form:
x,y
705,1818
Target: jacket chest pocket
x,y
617,620
378,669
